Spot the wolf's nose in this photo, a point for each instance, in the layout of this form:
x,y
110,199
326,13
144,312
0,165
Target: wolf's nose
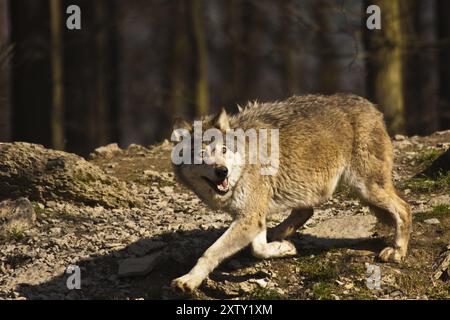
x,y
221,172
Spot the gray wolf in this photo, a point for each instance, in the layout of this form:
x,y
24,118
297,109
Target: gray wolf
x,y
323,140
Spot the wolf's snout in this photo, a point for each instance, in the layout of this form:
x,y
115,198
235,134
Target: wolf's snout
x,y
221,172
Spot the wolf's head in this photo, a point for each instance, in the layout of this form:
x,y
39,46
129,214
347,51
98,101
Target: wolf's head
x,y
204,160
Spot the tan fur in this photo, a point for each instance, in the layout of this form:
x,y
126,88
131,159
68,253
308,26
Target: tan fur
x,y
323,140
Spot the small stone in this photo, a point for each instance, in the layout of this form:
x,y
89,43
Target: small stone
x,y
167,190
137,149
399,137
139,266
432,221
365,210
55,231
349,286
166,145
51,204
152,173
396,293
245,287
106,151
262,282
114,245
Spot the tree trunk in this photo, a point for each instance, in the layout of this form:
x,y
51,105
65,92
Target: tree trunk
x,y
251,43
443,26
287,43
420,80
31,71
179,70
327,69
90,66
57,108
233,67
5,52
385,65
201,55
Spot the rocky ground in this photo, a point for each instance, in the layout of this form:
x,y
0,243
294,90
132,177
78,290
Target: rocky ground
x,y
133,249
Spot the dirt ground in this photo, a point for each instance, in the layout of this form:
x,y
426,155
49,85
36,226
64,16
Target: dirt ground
x,y
164,237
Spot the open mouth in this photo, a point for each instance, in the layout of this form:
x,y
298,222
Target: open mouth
x,y
221,187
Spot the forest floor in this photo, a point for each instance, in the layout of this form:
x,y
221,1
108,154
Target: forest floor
x,y
134,252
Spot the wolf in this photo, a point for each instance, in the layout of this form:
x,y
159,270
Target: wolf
x,y
323,141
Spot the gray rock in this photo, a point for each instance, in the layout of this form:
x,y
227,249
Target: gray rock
x,y
59,176
107,151
339,231
133,267
16,215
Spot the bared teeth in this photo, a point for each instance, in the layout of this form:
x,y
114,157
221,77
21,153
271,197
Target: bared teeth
x,y
222,185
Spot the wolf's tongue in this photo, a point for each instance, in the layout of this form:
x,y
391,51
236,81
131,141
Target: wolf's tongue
x,y
224,183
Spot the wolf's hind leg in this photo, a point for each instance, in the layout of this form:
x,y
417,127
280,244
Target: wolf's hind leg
x,y
296,219
265,250
391,209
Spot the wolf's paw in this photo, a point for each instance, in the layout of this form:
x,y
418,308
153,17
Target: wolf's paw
x,y
275,249
186,283
390,254
287,249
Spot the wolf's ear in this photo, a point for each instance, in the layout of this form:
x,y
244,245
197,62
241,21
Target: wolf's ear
x,y
179,125
221,121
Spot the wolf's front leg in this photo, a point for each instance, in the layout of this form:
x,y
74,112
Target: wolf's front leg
x,y
240,233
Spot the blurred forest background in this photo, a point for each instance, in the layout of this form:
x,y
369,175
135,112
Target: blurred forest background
x,y
135,64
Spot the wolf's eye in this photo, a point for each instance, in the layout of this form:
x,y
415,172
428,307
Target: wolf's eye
x,y
224,149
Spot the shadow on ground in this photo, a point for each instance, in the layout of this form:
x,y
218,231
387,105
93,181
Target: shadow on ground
x,y
99,278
